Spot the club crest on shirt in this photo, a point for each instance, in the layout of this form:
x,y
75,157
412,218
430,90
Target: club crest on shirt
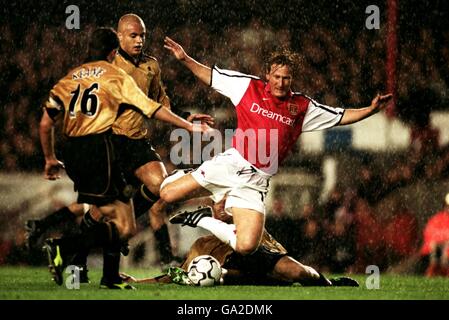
x,y
293,109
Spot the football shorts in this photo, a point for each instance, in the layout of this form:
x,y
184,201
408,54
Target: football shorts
x,y
90,163
229,174
132,154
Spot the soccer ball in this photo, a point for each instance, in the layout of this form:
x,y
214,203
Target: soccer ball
x,y
204,271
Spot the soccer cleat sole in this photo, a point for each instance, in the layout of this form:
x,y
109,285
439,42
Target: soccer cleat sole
x,y
55,265
118,286
191,218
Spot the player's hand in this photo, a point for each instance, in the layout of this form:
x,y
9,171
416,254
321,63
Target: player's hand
x,y
203,118
202,128
380,102
175,48
224,272
52,167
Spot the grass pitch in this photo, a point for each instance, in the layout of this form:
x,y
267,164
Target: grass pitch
x,y
34,283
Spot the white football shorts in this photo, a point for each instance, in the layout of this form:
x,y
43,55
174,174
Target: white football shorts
x,y
229,174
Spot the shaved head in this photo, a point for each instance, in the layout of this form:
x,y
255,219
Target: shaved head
x,y
131,34
129,18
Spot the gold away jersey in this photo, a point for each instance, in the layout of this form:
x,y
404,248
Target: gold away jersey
x,y
213,246
147,75
92,95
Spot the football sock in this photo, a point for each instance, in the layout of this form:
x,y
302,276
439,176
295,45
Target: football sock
x,y
111,256
163,244
80,259
87,221
63,215
143,200
223,231
111,264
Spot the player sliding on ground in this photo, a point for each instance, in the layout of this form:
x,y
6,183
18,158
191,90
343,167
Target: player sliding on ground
x,y
273,117
269,265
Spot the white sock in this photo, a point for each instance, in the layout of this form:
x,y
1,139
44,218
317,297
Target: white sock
x,y
223,231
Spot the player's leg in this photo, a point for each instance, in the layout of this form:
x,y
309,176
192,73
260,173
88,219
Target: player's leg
x,y
184,188
243,235
80,258
120,216
103,234
143,169
288,269
157,219
176,189
66,216
99,182
226,175
152,174
249,225
248,213
143,165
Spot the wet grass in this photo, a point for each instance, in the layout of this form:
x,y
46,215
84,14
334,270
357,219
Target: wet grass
x,y
33,283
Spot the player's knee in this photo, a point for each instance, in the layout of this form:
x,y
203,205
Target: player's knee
x,y
77,209
158,182
167,195
127,231
246,247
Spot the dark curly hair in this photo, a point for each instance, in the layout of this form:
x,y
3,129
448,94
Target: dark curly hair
x,y
101,42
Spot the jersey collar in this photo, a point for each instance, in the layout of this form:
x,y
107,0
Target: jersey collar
x,y
126,56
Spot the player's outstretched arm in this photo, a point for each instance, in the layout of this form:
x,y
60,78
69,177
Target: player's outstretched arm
x,y
377,104
200,70
52,165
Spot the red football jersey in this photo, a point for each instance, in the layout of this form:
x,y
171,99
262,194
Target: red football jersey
x,y
436,231
267,127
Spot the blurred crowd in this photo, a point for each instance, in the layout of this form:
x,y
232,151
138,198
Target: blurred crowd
x,y
369,221
338,67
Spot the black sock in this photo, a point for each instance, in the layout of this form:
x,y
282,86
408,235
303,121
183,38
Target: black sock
x,y
143,200
63,215
99,235
111,257
88,221
163,244
80,259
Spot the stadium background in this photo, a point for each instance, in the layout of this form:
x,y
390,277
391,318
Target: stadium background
x,y
360,194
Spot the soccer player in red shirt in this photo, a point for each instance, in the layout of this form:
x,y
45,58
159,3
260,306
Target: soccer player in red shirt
x,y
270,118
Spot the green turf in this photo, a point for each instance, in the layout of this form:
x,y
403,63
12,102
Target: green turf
x,y
35,283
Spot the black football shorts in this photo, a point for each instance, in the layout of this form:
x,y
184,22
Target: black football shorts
x,y
132,154
91,163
